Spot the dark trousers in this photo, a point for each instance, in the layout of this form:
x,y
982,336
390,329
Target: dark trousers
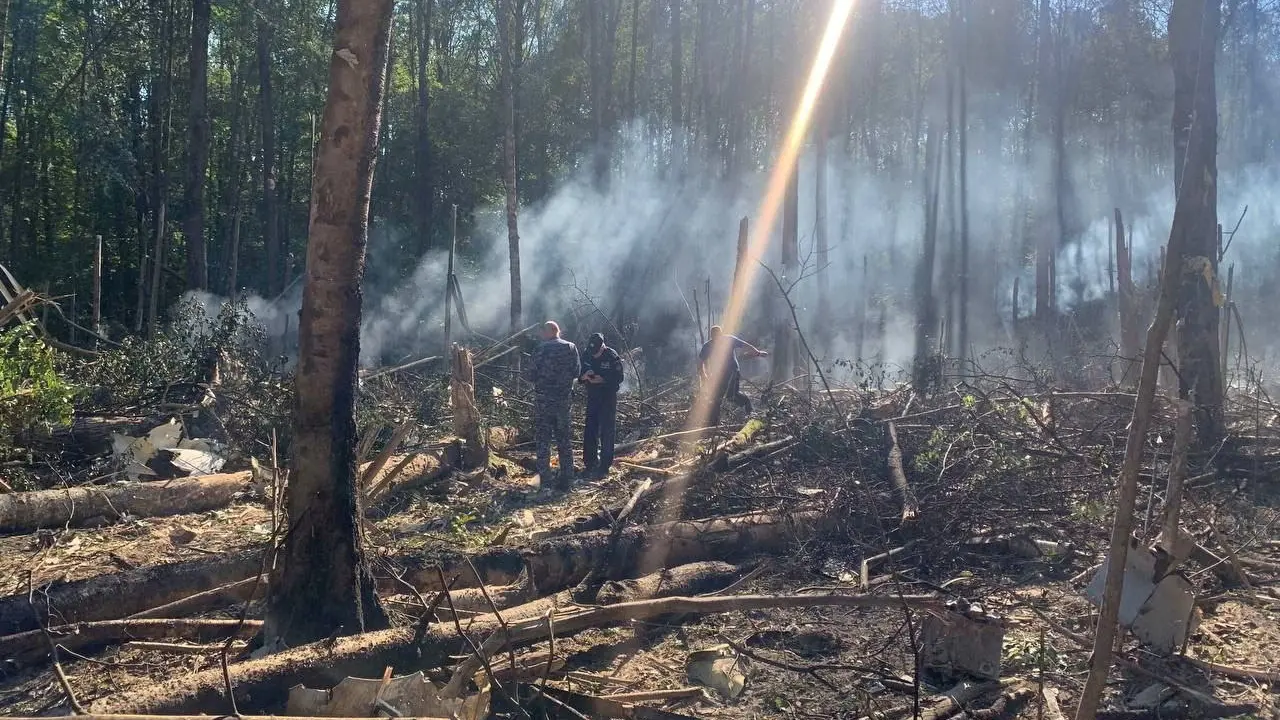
x,y
552,422
730,389
601,430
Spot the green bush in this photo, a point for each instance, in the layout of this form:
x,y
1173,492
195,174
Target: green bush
x,y
145,376
32,395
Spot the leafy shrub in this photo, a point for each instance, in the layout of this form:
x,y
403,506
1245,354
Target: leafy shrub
x,y
143,376
33,397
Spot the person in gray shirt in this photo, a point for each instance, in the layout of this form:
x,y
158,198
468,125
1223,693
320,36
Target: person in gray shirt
x,y
552,370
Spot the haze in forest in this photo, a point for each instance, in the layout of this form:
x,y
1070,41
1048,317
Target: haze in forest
x,y
641,135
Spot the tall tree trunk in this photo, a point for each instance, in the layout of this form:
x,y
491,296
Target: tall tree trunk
x,y
924,372
4,28
426,189
1045,241
233,190
635,56
197,147
324,583
784,342
962,340
1193,40
267,126
509,157
820,224
160,119
677,60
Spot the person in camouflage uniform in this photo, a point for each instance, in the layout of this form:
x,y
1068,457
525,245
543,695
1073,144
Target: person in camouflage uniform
x,y
553,370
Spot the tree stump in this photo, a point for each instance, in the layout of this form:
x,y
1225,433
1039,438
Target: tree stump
x,y
466,415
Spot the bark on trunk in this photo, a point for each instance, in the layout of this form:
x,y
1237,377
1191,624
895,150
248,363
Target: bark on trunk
x,y
1193,38
25,512
323,583
197,147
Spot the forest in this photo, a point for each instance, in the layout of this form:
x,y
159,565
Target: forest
x,y
273,401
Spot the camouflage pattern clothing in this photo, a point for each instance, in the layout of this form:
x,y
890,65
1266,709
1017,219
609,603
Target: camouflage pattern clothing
x,y
553,370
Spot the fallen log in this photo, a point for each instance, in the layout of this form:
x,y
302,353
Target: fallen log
x,y
562,562
31,647
251,588
691,579
98,716
116,595
264,682
24,512
552,565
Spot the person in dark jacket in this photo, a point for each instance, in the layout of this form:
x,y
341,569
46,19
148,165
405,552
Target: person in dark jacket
x,y
552,370
601,373
718,365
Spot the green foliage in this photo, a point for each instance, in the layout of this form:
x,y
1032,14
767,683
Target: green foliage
x,y
33,397
1030,652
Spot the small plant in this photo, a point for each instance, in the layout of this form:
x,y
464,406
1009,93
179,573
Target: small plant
x,y
33,397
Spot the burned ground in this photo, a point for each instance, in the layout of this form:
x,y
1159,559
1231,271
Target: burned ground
x,y
1010,481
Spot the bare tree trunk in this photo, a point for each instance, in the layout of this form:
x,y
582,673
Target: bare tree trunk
x,y
822,251
197,147
426,190
1194,27
96,322
924,373
324,584
784,343
1045,241
1193,35
232,190
962,340
677,59
1125,300
162,87
4,29
509,157
267,126
635,57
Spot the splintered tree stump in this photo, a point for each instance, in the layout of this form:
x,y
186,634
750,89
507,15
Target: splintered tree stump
x,y
466,415
24,512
